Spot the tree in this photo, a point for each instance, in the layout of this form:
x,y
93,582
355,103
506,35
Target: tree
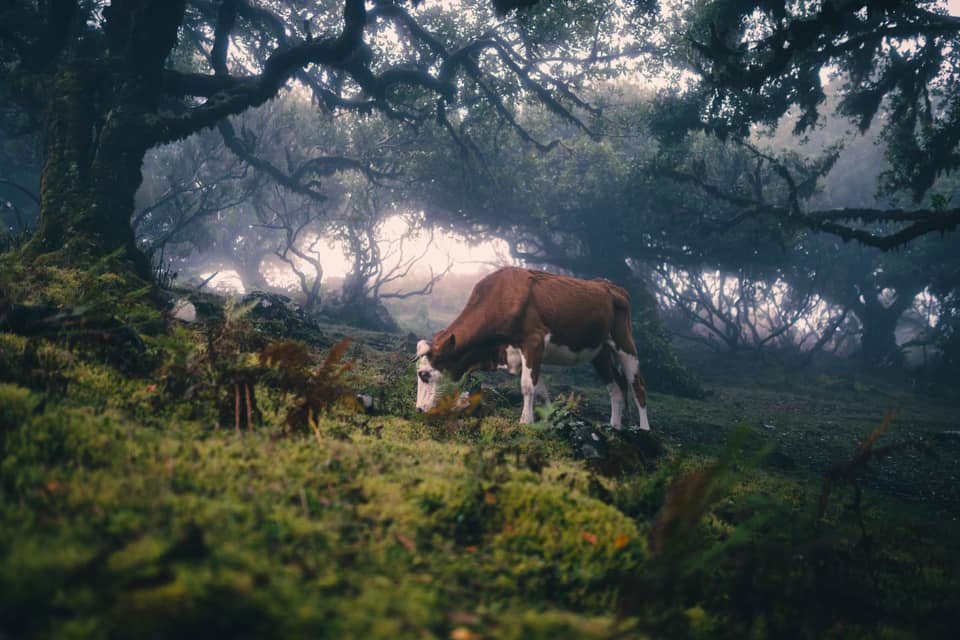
x,y
300,225
379,264
898,62
744,182
736,311
113,80
208,199
189,183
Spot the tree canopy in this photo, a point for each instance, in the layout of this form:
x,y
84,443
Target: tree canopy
x,y
140,73
896,67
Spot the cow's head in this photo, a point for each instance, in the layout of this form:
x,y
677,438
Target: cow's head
x,y
429,376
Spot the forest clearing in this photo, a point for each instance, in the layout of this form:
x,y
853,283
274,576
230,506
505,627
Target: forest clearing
x,y
479,319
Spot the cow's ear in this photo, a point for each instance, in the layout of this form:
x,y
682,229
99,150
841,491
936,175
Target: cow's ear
x,y
448,345
423,348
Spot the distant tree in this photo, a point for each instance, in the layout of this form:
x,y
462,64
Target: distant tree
x,y
187,184
379,264
737,312
203,199
300,228
898,63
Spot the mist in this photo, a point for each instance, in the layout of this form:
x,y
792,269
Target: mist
x,y
480,319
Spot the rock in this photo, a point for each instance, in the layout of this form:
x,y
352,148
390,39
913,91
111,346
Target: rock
x,y
184,310
366,402
588,443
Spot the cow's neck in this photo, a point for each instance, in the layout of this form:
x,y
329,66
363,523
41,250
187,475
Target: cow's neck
x,y
474,358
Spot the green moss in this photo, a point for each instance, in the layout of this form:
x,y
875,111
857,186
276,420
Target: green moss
x,y
126,512
16,406
559,625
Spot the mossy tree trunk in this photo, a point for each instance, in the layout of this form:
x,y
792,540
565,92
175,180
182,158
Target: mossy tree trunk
x,y
100,118
878,339
94,144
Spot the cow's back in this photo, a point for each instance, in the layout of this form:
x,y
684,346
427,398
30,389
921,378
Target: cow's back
x,y
512,304
494,312
577,313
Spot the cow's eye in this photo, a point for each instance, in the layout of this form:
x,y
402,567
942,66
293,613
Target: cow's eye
x,y
425,376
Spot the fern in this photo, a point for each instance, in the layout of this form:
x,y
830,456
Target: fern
x,y
690,497
291,359
849,473
326,388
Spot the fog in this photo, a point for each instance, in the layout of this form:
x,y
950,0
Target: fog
x,y
471,319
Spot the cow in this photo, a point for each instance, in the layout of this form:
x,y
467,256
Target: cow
x,y
538,318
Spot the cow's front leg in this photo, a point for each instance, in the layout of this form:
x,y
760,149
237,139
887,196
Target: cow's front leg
x,y
531,358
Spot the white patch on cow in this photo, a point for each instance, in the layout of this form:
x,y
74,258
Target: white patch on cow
x,y
184,310
514,360
428,385
527,388
559,354
514,366
630,365
365,400
617,405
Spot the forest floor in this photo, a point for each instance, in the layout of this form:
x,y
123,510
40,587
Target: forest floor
x,y
131,507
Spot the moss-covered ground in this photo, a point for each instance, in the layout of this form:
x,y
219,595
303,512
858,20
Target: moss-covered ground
x,y
131,508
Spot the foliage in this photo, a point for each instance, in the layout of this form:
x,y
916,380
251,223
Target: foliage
x,y
315,391
760,59
443,64
894,65
849,472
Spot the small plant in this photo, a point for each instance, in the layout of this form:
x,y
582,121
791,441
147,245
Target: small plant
x,y
689,498
561,418
229,350
455,404
850,472
328,387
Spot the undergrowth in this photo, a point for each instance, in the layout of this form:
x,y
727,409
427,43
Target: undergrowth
x,y
130,507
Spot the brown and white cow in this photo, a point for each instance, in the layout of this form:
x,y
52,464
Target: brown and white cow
x,y
539,318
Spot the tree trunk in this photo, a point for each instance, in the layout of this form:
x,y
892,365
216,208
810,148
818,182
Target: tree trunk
x,y
878,340
92,169
253,279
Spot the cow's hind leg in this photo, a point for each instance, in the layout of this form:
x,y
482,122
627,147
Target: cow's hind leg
x,y
609,372
630,364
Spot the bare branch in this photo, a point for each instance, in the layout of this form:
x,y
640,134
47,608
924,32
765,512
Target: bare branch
x,y
22,189
238,147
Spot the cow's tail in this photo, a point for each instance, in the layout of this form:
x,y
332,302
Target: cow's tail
x,y
622,322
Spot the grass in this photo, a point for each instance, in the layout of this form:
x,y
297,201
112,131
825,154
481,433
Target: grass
x,y
130,508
